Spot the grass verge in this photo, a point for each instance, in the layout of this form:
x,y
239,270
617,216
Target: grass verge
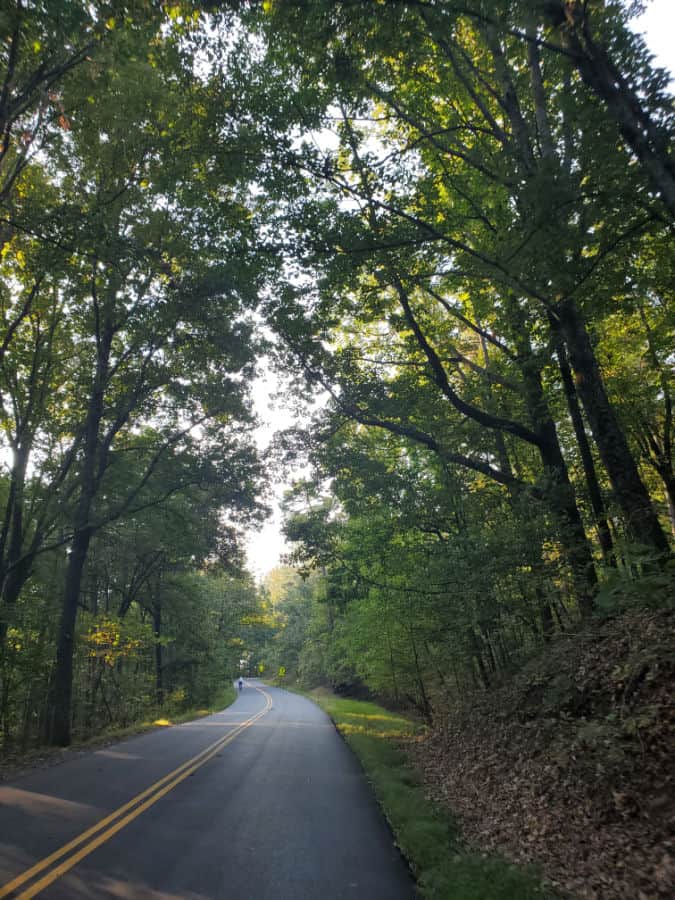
x,y
14,764
225,698
428,838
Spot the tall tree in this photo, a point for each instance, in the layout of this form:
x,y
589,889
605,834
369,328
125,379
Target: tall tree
x,y
492,177
153,320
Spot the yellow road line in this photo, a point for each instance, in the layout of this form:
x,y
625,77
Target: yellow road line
x,y
153,793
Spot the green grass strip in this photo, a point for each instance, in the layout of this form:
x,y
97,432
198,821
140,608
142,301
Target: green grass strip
x,y
424,832
13,764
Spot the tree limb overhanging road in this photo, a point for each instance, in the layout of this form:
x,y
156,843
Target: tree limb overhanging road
x,y
262,800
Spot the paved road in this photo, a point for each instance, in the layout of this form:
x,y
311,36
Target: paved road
x,y
262,801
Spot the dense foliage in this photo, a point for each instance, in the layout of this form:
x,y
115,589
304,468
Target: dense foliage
x,y
483,290
454,224
128,282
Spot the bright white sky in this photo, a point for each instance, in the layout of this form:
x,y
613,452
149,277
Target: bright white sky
x,y
265,546
658,26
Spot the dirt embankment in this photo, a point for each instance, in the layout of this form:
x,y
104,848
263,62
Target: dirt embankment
x,y
568,765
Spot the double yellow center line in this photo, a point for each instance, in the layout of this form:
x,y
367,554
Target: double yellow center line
x,y
102,831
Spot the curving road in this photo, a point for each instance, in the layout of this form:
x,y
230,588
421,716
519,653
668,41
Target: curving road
x,y
262,801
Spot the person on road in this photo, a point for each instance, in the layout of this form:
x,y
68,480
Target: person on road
x,y
241,682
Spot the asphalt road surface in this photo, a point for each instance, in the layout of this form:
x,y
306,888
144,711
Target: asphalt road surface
x,y
262,801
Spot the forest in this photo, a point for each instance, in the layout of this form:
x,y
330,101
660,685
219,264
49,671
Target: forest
x,y
448,226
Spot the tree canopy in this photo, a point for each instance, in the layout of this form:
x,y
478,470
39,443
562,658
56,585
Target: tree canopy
x,y
453,224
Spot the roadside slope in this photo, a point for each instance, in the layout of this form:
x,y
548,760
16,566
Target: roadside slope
x,y
568,763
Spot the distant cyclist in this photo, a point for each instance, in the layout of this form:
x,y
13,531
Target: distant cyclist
x,y
241,683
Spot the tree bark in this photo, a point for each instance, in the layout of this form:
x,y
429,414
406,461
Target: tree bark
x,y
60,695
477,654
670,498
14,575
157,628
572,534
562,498
650,142
641,520
546,616
61,690
594,492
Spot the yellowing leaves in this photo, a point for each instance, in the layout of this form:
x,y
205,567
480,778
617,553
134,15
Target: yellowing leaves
x,y
106,641
590,252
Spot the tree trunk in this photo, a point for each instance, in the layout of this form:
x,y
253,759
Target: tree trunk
x,y
157,628
61,690
632,496
594,493
14,573
572,534
477,654
392,666
649,141
657,452
492,662
11,589
545,615
665,471
671,510
562,498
